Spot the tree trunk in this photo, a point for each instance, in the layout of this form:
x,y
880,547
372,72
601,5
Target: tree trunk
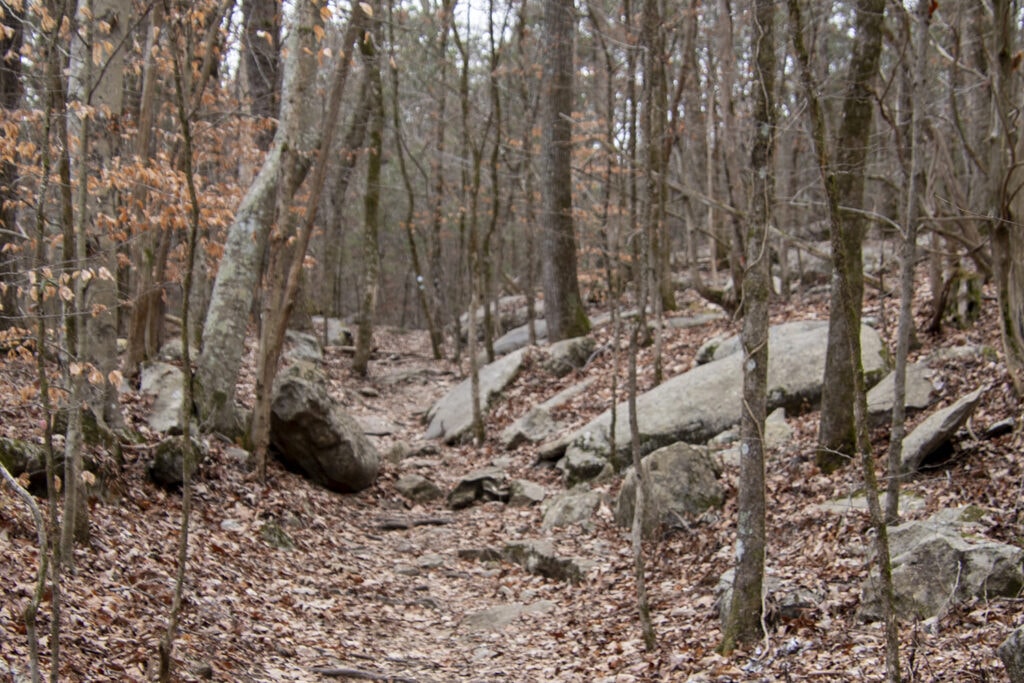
x,y
744,623
11,89
837,436
918,30
261,20
238,275
1007,236
849,307
563,306
371,216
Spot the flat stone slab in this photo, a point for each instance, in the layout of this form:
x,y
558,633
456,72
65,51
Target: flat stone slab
x,y
452,417
937,429
920,393
707,400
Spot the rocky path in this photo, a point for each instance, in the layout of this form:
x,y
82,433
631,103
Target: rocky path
x,y
288,582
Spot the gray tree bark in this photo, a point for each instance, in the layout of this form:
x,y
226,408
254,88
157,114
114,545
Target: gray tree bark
x,y
563,306
238,276
744,623
837,435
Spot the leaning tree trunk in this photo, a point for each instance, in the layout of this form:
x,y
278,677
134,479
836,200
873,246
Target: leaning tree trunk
x,y
238,275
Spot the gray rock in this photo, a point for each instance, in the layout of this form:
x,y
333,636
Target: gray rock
x,y
580,465
533,427
452,416
486,484
776,430
859,503
568,354
524,493
512,312
302,346
338,333
1011,651
920,394
418,488
19,456
164,383
937,429
519,337
570,507
312,434
705,401
376,426
500,616
722,346
682,481
173,351
537,424
936,564
166,468
539,557
686,322
554,449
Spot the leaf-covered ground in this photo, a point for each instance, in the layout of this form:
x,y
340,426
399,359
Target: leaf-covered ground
x,y
354,595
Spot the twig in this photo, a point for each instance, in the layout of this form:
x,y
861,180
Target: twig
x,y
395,523
360,674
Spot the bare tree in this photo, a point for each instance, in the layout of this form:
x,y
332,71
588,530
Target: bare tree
x,y
744,622
563,306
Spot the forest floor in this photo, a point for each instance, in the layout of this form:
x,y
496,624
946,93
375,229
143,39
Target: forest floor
x,y
356,596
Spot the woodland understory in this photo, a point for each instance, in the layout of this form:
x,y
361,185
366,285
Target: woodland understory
x,y
355,595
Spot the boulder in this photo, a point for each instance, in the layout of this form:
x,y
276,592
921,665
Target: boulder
x,y
1011,651
312,434
25,457
164,383
568,354
166,467
722,346
937,429
682,481
538,423
519,337
524,493
570,507
452,416
512,311
539,557
936,564
920,393
418,488
533,427
695,406
302,346
489,483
